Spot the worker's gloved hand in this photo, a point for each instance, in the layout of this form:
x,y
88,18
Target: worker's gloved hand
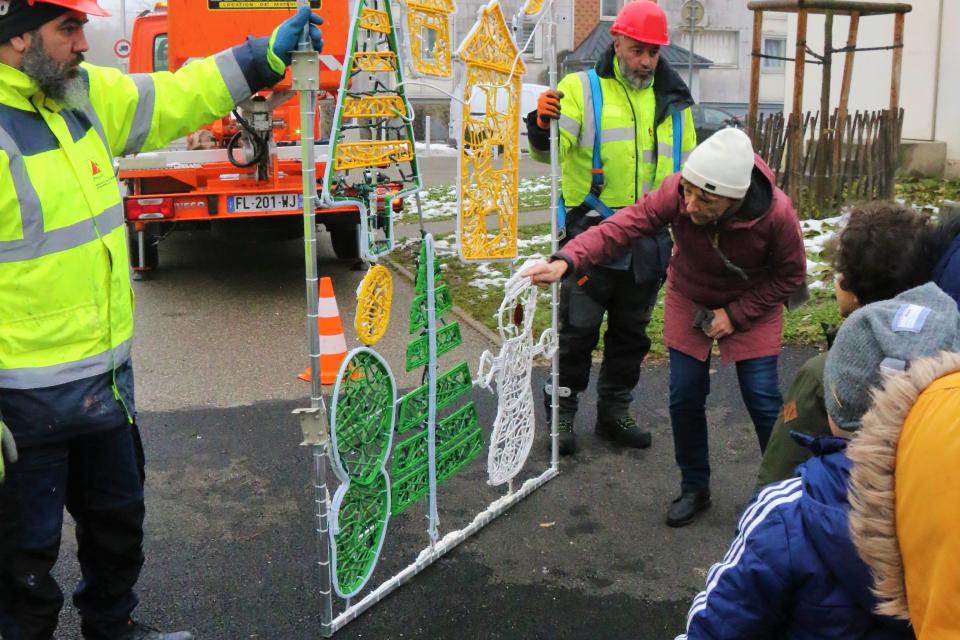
x,y
8,449
548,108
286,37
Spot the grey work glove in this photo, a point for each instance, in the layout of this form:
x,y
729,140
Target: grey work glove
x,y
8,449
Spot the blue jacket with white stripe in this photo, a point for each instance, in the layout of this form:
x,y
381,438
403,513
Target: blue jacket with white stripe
x,y
792,570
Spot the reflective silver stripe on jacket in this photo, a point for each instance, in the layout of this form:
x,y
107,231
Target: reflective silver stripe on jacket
x,y
619,134
233,75
31,213
94,119
570,125
143,116
589,130
38,377
665,149
56,240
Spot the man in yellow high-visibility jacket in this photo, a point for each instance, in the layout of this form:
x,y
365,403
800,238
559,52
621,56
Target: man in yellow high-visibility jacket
x,y
646,131
66,381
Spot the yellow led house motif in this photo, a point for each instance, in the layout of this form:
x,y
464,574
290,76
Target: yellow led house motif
x,y
490,142
533,7
428,36
374,300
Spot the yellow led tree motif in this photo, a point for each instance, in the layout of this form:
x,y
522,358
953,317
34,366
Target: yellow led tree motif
x,y
376,61
373,162
373,107
428,36
488,177
356,155
374,300
375,20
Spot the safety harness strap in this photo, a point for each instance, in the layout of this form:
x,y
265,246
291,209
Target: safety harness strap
x,y
592,200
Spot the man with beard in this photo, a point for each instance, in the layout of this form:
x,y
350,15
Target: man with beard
x,y
66,379
610,161
739,259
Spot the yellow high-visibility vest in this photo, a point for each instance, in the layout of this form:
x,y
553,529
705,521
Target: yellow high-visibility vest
x,y
66,303
637,154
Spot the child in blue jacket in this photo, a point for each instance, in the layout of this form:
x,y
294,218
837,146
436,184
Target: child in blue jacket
x,y
792,570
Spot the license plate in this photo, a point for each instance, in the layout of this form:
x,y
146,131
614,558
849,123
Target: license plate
x,y
265,202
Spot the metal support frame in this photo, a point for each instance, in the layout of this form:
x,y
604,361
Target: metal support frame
x,y
314,419
433,515
306,80
436,551
551,53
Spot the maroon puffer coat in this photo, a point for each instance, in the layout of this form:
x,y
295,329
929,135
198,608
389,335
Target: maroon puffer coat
x,y
765,242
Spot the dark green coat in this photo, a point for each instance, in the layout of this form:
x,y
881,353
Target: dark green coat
x,y
803,410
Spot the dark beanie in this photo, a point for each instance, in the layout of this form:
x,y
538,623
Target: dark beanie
x,y
21,16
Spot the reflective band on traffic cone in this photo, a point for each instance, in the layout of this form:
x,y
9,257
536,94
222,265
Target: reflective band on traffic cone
x,y
333,345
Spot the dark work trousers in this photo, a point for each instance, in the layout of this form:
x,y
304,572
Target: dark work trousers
x,y
9,536
628,307
99,479
689,387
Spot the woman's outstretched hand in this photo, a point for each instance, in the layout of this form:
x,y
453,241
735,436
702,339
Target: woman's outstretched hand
x,y
544,273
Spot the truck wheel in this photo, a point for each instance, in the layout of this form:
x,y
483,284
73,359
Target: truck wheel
x,y
151,251
345,241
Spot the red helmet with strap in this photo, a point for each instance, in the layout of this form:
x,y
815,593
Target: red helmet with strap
x,y
642,20
90,7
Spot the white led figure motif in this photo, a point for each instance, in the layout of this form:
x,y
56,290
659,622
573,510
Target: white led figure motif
x,y
513,428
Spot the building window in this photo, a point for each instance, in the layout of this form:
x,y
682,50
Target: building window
x,y
534,46
774,47
610,8
428,42
720,46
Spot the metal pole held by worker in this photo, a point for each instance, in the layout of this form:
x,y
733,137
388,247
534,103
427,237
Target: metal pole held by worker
x,y
306,80
551,51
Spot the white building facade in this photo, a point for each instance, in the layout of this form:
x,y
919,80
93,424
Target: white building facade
x,y
929,91
724,35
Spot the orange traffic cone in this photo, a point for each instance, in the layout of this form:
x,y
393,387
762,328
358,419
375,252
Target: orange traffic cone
x,y
333,346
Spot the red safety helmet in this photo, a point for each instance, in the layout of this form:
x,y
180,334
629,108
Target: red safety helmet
x,y
644,21
90,7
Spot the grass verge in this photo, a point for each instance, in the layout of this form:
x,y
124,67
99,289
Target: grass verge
x,y
477,288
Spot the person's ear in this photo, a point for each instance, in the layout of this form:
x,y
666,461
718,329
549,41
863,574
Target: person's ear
x,y
21,43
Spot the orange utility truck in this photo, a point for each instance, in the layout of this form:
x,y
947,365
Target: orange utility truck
x,y
244,169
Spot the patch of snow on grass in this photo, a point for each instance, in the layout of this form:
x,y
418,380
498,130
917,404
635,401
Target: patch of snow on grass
x,y
436,149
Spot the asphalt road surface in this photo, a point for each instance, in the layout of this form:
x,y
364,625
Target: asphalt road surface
x,y
231,548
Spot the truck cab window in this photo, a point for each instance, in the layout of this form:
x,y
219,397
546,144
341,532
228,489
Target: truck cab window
x,y
160,62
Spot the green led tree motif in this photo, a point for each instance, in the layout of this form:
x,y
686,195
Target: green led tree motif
x,y
372,158
458,436
362,421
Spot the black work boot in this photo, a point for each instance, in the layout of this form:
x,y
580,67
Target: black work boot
x,y
138,631
684,509
566,438
624,431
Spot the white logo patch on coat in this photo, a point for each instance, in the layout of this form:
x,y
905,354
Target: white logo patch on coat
x,y
910,317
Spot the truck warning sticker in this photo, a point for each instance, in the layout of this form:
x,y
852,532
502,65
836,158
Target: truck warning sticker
x,y
258,4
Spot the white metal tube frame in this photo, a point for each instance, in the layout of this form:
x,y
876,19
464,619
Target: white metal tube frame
x,y
306,80
438,547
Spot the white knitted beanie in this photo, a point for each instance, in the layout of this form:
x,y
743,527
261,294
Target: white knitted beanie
x,y
722,164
